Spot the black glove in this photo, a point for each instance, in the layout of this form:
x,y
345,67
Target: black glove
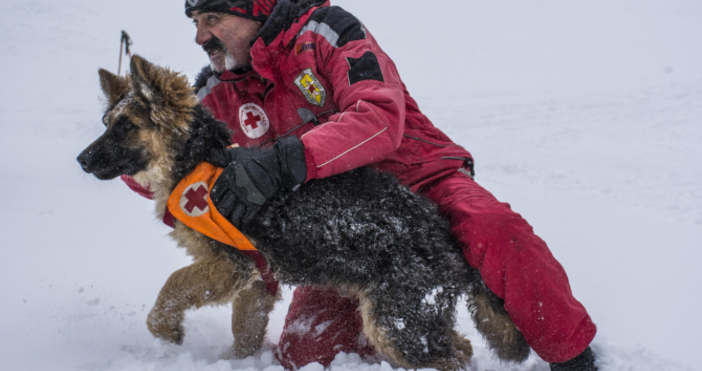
x,y
584,362
252,177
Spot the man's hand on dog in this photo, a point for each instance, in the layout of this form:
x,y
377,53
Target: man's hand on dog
x,y
252,177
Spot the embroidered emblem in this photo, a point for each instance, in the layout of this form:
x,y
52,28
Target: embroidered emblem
x,y
193,2
253,120
194,200
303,48
311,88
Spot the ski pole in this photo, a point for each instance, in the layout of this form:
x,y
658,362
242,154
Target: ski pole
x,y
124,44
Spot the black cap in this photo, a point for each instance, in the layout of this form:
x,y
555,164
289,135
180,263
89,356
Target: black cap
x,y
258,10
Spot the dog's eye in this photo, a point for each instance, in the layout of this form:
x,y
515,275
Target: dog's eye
x,y
124,125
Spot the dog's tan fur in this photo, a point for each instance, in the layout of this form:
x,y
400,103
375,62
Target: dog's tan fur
x,y
213,279
497,327
378,336
248,325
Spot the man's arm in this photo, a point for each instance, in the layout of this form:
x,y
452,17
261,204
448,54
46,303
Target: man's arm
x,y
367,89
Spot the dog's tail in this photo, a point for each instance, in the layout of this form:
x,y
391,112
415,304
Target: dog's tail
x,y
494,323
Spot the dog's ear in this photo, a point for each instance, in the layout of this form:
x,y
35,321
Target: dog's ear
x,y
167,95
145,78
112,85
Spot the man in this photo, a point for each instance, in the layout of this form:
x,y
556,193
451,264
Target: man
x,y
309,84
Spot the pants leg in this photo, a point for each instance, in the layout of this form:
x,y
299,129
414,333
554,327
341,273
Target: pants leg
x,y
320,324
517,266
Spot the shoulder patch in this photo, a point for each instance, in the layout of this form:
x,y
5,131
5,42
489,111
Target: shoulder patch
x,y
311,88
365,68
336,25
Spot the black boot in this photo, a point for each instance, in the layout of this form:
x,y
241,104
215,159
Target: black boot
x,y
583,362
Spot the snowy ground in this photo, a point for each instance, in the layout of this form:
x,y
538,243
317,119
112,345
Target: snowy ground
x,y
586,117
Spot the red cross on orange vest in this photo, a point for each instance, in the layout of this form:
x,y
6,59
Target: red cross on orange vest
x,y
196,198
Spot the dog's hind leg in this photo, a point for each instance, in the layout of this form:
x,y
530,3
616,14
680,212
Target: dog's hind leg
x,y
494,323
213,280
415,329
250,318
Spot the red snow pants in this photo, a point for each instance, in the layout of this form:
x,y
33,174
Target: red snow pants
x,y
514,263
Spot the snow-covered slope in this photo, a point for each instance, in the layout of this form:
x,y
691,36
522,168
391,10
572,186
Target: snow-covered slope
x,y
586,117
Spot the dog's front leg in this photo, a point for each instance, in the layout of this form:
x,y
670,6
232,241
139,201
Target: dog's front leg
x,y
208,281
250,319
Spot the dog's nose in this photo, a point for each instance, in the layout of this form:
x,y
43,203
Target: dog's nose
x,y
84,161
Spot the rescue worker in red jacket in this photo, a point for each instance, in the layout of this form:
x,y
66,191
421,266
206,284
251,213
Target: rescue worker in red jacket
x,y
308,83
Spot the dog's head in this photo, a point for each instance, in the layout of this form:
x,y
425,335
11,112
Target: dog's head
x,y
148,115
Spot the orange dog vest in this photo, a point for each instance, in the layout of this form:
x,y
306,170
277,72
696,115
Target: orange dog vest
x,y
190,203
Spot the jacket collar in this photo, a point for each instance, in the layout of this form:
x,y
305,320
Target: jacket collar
x,y
245,80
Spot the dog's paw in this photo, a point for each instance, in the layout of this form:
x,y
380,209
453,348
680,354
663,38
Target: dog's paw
x,y
238,351
165,328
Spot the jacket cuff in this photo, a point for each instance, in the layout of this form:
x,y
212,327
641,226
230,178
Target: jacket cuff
x,y
311,167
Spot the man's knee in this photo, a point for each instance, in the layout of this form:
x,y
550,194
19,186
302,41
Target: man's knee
x,y
320,325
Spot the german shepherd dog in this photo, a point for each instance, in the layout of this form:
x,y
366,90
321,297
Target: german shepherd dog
x,y
360,232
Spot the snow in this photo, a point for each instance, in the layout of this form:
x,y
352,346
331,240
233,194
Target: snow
x,y
586,117
430,298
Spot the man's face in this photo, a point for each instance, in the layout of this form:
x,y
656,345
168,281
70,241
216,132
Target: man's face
x,y
226,39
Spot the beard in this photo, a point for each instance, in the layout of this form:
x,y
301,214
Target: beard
x,y
229,62
216,45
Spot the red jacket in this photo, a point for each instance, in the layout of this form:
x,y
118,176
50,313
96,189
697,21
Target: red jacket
x,y
323,77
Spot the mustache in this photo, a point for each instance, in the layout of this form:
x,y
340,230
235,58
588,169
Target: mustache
x,y
213,45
